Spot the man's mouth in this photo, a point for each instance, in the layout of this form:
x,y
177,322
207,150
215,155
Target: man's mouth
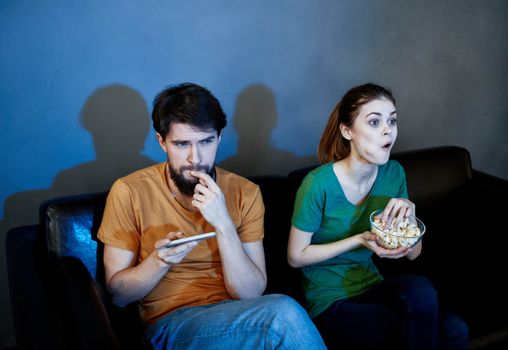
x,y
185,170
202,168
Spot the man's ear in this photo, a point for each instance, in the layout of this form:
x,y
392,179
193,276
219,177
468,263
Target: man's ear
x,y
219,137
162,142
345,132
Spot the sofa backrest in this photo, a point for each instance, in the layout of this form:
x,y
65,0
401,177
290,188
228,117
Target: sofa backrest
x,y
278,199
432,174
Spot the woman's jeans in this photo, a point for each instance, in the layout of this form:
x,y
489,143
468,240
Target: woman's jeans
x,y
400,312
267,322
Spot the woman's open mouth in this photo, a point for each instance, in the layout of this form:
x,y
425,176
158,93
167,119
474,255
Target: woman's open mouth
x,y
387,146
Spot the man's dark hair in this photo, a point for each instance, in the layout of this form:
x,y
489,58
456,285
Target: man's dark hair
x,y
187,103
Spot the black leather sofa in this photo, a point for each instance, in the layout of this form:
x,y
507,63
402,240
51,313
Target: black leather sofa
x,y
56,274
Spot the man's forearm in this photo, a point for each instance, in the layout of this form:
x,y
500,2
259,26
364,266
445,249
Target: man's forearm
x,y
244,271
244,278
135,283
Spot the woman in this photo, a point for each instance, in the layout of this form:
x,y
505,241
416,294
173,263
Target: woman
x,y
350,302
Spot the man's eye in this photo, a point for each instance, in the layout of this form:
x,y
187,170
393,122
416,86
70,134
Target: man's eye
x,y
204,142
181,144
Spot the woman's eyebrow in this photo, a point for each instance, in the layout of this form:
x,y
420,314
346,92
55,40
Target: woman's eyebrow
x,y
378,114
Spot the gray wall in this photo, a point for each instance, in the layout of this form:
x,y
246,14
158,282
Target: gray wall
x,y
77,80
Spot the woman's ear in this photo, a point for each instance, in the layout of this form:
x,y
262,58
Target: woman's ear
x,y
162,142
345,132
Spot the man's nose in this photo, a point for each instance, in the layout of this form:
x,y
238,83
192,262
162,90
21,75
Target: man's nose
x,y
194,155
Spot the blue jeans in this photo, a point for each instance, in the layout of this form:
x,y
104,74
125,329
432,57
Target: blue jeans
x,y
399,312
267,322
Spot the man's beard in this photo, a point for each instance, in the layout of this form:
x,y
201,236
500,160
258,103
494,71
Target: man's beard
x,y
184,185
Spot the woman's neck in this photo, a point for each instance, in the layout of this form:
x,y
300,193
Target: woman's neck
x,y
356,171
356,178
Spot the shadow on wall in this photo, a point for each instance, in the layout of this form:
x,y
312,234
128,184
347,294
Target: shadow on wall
x,y
118,120
254,119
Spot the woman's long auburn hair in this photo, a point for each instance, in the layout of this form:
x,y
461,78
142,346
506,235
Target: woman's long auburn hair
x,y
333,146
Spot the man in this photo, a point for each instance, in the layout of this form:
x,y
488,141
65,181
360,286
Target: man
x,y
197,295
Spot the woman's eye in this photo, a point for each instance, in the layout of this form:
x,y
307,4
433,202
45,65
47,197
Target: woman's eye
x,y
374,122
392,121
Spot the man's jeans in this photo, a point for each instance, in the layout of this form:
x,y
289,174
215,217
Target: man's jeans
x,y
268,322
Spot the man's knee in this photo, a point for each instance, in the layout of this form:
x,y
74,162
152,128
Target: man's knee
x,y
291,325
284,306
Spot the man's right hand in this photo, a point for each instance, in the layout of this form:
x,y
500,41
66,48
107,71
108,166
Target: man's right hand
x,y
172,255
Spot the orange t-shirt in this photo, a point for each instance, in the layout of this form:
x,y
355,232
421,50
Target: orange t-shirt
x,y
141,210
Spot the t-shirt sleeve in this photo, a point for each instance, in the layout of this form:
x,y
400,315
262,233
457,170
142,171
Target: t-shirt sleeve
x,y
118,227
251,228
308,210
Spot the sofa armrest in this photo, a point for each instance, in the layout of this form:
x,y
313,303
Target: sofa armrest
x,y
494,183
87,322
92,321
464,253
37,324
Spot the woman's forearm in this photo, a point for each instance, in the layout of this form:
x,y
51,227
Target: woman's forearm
x,y
316,253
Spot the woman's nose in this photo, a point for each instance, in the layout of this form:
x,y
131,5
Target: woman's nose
x,y
387,130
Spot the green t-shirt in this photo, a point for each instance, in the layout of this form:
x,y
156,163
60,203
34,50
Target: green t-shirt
x,y
322,208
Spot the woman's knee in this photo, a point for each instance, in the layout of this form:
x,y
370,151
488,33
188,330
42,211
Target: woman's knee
x,y
418,294
421,289
454,332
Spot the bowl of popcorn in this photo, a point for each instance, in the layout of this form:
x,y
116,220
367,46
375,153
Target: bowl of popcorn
x,y
406,234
